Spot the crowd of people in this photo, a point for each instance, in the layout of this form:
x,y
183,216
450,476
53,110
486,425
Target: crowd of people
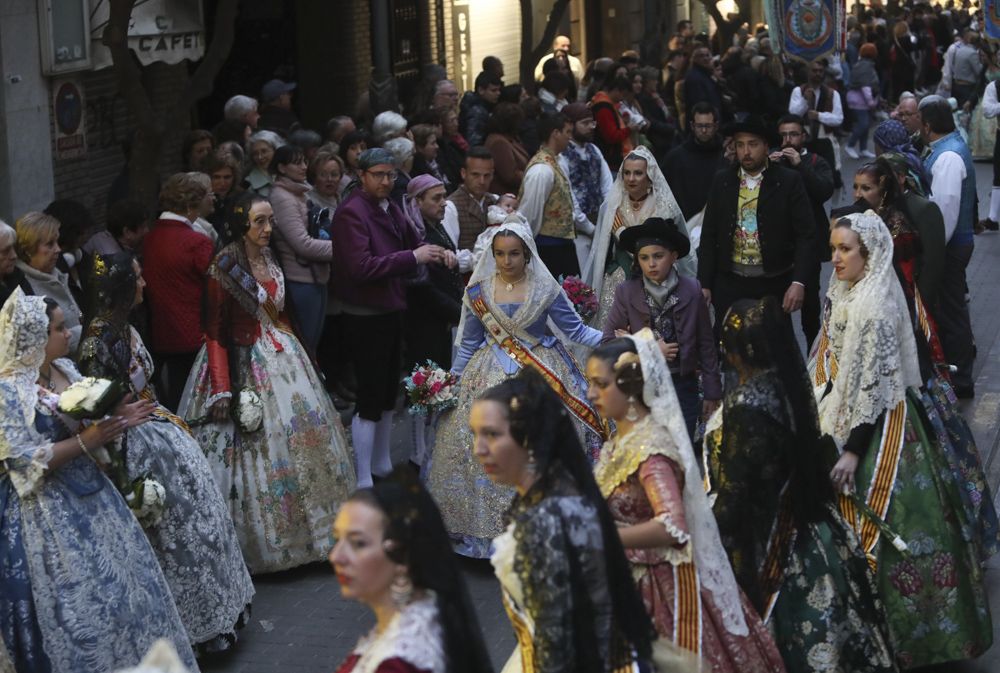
x,y
663,483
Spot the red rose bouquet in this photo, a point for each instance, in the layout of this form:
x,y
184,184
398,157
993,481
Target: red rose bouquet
x,y
581,296
430,388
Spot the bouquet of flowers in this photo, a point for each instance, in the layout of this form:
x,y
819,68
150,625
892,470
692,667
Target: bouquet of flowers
x,y
430,388
90,398
249,411
147,500
581,296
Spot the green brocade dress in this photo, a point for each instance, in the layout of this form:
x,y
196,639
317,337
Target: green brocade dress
x,y
933,592
819,596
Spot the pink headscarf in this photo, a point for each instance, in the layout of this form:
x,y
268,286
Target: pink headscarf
x,y
414,189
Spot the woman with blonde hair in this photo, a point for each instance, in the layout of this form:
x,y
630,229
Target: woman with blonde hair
x,y
38,251
10,276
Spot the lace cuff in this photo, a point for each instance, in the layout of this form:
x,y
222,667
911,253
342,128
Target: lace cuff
x,y
216,397
681,553
26,475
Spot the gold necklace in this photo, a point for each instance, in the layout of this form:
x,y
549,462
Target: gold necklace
x,y
510,286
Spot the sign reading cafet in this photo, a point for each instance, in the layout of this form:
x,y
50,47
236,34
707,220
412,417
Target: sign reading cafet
x,y
68,113
170,31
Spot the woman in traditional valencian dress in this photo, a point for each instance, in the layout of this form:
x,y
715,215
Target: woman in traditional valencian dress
x,y
194,538
649,476
793,554
866,377
274,440
566,583
80,587
640,192
918,258
510,300
392,555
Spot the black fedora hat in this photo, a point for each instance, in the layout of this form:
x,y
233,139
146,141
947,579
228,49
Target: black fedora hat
x,y
655,231
752,125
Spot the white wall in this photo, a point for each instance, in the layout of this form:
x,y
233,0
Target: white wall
x,y
495,30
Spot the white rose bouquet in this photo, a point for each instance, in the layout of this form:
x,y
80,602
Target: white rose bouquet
x,y
90,398
147,500
249,411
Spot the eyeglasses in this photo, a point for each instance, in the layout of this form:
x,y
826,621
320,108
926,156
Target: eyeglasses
x,y
790,134
703,127
382,176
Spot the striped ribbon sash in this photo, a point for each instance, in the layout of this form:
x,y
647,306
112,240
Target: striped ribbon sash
x,y
522,631
517,351
880,488
779,544
687,608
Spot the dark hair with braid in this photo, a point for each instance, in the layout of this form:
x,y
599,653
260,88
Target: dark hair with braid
x,y
419,541
540,421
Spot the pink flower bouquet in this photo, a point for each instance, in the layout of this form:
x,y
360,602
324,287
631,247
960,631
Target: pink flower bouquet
x,y
581,296
430,388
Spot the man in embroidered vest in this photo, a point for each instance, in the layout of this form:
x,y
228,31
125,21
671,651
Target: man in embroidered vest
x,y
465,211
590,179
547,200
757,237
376,249
953,189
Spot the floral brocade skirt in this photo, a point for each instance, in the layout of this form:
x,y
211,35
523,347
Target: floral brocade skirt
x,y
722,651
284,482
933,592
607,299
471,504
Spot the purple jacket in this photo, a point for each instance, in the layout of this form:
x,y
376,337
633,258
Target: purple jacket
x,y
372,253
630,312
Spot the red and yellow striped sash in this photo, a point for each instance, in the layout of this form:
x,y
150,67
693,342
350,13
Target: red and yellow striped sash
x,y
687,608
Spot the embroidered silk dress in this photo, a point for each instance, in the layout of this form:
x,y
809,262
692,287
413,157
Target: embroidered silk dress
x,y
412,642
471,504
639,474
80,587
284,481
812,584
194,540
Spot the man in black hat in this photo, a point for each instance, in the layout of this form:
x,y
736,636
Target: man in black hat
x,y
276,114
757,237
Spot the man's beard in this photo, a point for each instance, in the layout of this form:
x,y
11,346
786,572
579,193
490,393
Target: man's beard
x,y
581,140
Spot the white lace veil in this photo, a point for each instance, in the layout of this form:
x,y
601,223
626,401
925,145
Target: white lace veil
x,y
542,287
665,206
710,557
24,332
870,336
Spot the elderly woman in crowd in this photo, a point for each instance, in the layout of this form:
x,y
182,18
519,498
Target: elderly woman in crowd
x,y
386,126
196,149
304,257
38,250
226,175
510,159
325,172
261,148
177,257
402,151
10,276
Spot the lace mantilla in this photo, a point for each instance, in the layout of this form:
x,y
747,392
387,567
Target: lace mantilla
x,y
413,635
870,339
714,570
665,206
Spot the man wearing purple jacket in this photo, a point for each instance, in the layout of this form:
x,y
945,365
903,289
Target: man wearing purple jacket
x,y
376,248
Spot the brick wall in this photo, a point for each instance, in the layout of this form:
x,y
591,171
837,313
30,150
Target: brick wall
x,y
88,178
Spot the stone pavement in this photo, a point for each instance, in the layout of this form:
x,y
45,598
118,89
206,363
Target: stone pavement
x,y
301,624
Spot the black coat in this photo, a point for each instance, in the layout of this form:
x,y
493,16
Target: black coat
x,y
689,169
784,221
699,87
817,176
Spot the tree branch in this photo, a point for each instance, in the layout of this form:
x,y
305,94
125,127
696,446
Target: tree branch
x,y
555,16
713,11
127,71
223,35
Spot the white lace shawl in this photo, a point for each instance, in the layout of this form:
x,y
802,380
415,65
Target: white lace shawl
x,y
542,287
414,635
665,206
714,570
24,330
871,338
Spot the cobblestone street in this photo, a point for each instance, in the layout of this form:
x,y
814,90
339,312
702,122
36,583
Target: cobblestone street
x,y
300,622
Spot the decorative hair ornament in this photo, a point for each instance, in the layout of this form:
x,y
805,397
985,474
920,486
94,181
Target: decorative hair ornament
x,y
514,403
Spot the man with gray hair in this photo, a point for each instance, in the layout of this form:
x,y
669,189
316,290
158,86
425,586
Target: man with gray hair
x,y
445,95
242,109
560,47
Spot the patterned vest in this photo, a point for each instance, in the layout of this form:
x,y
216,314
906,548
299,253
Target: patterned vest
x,y
557,215
471,217
585,177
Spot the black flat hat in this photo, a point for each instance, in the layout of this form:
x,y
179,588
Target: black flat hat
x,y
655,231
752,125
